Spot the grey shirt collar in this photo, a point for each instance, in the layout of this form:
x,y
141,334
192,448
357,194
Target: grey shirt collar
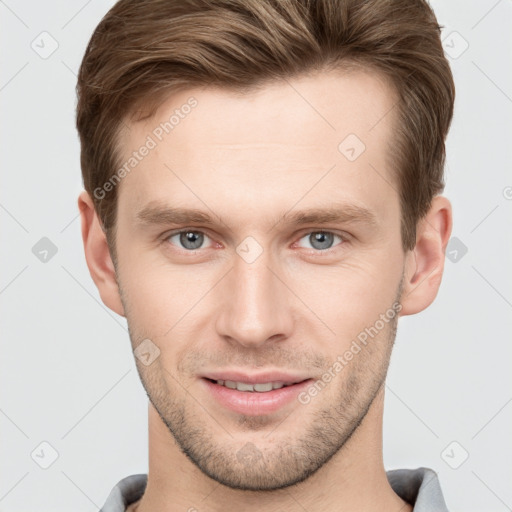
x,y
419,487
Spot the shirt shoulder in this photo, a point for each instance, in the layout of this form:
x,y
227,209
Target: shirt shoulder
x,y
419,487
126,491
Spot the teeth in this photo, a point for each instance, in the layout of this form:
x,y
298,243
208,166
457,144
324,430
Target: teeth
x,y
242,386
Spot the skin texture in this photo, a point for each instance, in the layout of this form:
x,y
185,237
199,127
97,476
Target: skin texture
x,y
247,160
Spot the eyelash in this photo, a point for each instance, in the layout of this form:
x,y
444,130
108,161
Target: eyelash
x,y
344,239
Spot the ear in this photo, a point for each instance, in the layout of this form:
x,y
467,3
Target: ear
x,y
97,255
425,263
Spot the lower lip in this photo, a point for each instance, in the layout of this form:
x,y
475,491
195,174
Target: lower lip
x,y
255,403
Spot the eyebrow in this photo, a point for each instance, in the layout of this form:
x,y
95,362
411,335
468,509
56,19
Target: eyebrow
x,y
156,213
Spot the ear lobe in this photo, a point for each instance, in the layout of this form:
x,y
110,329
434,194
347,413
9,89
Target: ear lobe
x,y
97,255
425,263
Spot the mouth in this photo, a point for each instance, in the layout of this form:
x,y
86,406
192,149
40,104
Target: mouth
x,y
260,387
255,398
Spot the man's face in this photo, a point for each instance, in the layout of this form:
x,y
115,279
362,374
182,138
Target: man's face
x,y
258,290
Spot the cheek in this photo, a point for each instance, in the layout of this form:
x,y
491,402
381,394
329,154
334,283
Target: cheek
x,y
162,297
347,297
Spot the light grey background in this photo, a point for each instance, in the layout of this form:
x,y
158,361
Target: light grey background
x,y
67,375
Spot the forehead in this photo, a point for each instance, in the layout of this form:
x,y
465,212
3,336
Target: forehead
x,y
282,136
330,101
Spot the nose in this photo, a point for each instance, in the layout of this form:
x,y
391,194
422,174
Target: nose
x,y
255,303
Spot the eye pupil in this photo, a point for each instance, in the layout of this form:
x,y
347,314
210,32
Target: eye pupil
x,y
191,239
321,240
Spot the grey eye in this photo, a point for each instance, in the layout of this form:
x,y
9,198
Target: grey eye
x,y
320,240
190,240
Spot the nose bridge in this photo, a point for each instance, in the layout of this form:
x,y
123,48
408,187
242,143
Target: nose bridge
x,y
254,305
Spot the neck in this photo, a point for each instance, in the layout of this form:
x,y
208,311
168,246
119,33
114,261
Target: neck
x,y
354,479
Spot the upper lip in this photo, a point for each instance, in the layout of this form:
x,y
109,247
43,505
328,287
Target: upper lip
x,y
257,378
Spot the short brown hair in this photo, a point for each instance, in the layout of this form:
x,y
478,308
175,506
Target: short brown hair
x,y
142,50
